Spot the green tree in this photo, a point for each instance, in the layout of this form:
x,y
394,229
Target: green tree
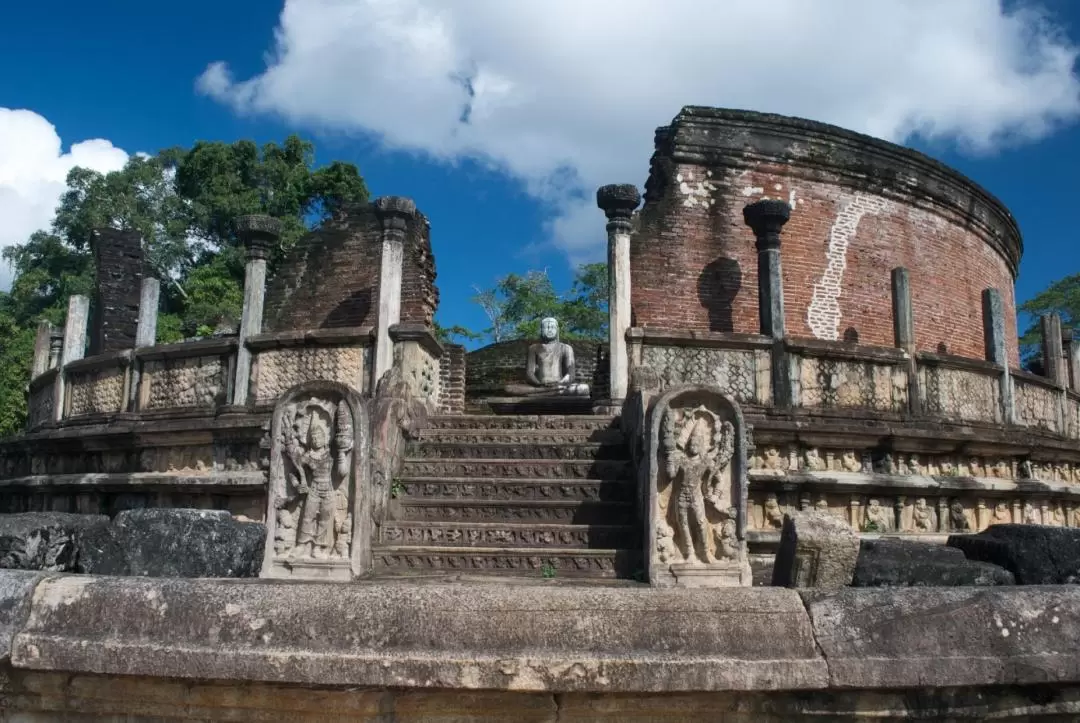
x,y
517,303
1061,297
184,203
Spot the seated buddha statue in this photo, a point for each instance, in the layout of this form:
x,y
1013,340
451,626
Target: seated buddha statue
x,y
549,367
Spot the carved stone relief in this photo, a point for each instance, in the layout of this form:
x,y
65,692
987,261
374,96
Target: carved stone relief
x,y
697,490
96,392
734,372
319,497
959,394
420,371
1036,406
41,406
833,383
191,382
280,369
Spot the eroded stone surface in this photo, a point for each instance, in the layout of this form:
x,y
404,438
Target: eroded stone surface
x,y
906,563
47,541
816,550
173,543
1035,554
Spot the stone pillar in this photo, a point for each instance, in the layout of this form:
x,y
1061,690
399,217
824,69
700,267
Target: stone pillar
x,y
1074,360
149,295
767,218
996,350
394,213
618,202
258,233
78,315
1053,361
42,345
904,333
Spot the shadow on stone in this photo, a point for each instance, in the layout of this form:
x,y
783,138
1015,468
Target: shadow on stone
x,y
909,563
1034,554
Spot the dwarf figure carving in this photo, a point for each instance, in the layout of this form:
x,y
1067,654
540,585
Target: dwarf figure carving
x,y
958,521
1002,515
880,517
774,516
923,516
696,454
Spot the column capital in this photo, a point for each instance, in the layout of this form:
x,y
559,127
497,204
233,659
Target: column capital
x,y
394,212
767,218
259,233
618,201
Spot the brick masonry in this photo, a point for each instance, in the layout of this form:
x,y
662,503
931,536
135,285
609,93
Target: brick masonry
x,y
119,266
861,207
452,380
330,279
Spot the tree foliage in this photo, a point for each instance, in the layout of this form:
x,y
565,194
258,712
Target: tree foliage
x,y
517,303
184,203
1061,297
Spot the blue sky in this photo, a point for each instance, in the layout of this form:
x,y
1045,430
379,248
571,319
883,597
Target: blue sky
x,y
561,96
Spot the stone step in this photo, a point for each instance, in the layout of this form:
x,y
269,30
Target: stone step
x,y
568,512
509,535
586,422
521,436
443,488
567,451
600,469
410,560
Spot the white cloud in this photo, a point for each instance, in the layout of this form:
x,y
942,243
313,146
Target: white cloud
x,y
565,94
33,168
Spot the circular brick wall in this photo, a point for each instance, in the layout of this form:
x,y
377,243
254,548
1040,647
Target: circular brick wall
x,y
860,207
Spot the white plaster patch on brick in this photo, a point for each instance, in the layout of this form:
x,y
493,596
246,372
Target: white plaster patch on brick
x,y
752,191
696,194
791,198
778,187
823,314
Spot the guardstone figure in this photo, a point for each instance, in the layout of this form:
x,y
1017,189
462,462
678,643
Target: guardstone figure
x,y
697,490
319,504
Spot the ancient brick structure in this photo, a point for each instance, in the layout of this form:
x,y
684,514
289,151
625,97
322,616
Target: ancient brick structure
x,y
860,207
118,260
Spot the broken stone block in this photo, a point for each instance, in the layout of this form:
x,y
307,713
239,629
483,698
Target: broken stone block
x,y
47,541
1034,554
816,550
908,563
174,543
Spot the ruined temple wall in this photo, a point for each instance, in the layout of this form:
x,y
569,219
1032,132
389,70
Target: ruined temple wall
x,y
859,209
419,295
119,267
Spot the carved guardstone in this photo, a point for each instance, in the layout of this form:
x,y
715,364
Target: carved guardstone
x,y
696,507
319,513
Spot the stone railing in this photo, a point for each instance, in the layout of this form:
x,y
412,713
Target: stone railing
x,y
961,389
97,385
1039,402
284,359
191,376
827,375
41,405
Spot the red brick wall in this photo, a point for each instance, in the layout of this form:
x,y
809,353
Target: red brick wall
x,y
331,278
694,264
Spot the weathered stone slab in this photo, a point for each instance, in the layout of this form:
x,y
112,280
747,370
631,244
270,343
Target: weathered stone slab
x,y
1035,554
499,637
816,550
174,543
44,540
16,589
946,637
909,563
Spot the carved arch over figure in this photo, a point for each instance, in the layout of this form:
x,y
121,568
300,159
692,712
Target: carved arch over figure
x,y
696,495
319,497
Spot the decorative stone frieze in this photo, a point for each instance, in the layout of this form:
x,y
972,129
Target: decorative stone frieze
x,y
697,490
960,394
318,514
99,391
841,383
280,369
742,374
1036,404
191,382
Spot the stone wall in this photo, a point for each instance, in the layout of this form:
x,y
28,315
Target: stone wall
x,y
119,265
96,385
860,208
185,376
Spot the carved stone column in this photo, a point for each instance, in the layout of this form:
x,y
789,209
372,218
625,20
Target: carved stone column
x,y
618,202
259,234
78,315
42,342
996,349
394,213
767,218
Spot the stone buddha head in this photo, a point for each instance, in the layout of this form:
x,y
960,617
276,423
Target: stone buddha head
x,y
549,328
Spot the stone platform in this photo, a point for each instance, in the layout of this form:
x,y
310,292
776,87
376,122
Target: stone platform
x,y
120,648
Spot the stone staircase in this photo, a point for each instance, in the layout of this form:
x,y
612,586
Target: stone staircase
x,y
534,496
